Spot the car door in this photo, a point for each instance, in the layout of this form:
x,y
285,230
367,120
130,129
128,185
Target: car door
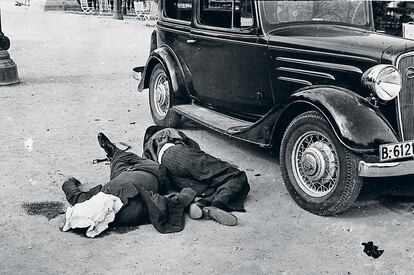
x,y
174,30
223,56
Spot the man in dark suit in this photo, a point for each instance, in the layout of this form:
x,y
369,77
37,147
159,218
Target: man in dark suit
x,y
222,187
142,186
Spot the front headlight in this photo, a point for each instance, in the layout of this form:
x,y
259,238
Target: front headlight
x,y
383,80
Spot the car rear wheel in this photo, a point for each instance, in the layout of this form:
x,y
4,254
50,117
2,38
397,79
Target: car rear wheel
x,y
320,174
161,98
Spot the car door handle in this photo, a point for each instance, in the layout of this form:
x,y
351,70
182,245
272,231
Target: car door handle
x,y
191,41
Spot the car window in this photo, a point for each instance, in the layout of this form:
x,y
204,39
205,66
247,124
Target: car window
x,y
178,9
231,14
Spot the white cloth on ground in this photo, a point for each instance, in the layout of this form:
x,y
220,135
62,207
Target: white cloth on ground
x,y
95,213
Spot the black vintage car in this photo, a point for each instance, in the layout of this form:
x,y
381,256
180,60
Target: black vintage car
x,y
312,78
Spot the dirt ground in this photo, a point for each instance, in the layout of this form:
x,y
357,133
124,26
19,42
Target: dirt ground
x,y
75,73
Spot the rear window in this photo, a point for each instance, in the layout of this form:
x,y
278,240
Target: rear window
x,y
178,9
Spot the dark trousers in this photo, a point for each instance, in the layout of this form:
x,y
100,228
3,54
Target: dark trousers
x,y
222,184
138,190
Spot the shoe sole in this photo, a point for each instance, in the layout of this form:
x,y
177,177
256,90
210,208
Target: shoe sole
x,y
186,196
221,216
195,211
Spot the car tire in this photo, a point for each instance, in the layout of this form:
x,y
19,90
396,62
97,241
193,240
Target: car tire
x,y
161,98
320,174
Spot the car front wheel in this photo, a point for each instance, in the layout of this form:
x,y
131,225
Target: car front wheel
x,y
161,98
320,174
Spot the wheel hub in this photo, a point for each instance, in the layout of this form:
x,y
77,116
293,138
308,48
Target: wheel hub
x,y
161,95
315,164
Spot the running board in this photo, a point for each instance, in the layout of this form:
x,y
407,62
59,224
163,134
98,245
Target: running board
x,y
213,119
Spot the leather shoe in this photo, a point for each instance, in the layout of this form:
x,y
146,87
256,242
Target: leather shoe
x,y
220,216
195,211
186,196
71,189
106,144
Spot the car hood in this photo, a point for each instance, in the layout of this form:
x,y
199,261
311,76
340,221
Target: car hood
x,y
342,40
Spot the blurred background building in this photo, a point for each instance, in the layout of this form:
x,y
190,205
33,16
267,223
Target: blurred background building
x,y
390,15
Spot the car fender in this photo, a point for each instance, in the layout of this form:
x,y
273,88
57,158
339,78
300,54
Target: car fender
x,y
358,125
164,56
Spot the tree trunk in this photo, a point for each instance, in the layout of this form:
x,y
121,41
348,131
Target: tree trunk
x,y
124,7
118,10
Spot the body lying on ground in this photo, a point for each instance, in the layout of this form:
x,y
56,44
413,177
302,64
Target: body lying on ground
x,y
143,188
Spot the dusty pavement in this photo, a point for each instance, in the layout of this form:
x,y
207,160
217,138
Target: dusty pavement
x,y
76,81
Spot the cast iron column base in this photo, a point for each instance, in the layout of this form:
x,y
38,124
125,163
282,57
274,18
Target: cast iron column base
x,y
8,69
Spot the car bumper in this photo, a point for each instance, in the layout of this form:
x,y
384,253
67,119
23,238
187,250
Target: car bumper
x,y
386,169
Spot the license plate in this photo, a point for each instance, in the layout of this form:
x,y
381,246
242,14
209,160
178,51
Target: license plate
x,y
396,150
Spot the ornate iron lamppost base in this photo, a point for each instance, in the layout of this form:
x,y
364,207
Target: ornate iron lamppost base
x,y
8,69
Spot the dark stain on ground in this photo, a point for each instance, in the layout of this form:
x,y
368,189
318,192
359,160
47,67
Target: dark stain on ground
x,y
49,209
52,209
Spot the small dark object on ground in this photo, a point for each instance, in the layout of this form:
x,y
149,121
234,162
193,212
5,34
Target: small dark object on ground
x,y
372,250
132,122
49,209
26,3
257,175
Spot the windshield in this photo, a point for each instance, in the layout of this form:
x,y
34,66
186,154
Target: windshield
x,y
277,13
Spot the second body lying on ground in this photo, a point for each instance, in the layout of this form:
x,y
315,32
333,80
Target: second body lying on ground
x,y
219,183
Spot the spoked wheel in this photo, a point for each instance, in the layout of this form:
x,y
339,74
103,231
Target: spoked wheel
x,y
320,174
161,99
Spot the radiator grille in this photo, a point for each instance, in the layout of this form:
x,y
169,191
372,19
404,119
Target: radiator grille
x,y
406,98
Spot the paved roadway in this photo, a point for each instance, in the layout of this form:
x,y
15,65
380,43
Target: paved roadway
x,y
76,81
